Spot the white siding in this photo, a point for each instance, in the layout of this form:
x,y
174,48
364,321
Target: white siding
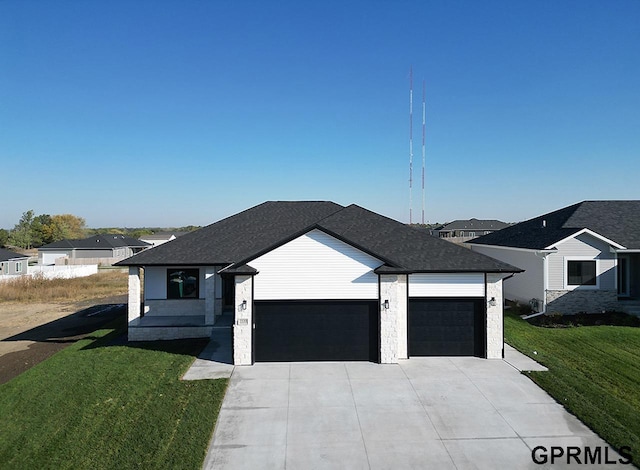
x,y
315,266
523,286
583,246
446,285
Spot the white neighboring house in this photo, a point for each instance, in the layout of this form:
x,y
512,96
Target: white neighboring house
x,y
304,281
582,258
12,263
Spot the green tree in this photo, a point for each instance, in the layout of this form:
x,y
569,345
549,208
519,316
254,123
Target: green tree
x,y
21,235
41,230
4,236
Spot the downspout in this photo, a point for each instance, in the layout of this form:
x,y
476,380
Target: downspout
x,y
545,274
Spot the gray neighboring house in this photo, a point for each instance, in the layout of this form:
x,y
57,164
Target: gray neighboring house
x,y
582,258
464,230
313,281
12,263
98,249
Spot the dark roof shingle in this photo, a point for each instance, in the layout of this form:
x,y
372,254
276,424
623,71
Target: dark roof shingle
x,y
618,221
6,255
243,237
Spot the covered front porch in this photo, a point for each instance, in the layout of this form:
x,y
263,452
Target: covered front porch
x,y
162,308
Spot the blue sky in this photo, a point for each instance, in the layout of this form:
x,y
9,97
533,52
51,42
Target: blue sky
x,y
169,113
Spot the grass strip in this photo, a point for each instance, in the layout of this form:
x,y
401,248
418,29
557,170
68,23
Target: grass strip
x,y
99,405
594,371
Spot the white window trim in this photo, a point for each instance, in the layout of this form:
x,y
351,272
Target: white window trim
x,y
565,267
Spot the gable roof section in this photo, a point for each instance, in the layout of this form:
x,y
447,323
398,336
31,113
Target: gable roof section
x,y
618,221
243,237
97,242
6,255
239,237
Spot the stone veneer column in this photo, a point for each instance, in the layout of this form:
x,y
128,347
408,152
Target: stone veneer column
x,y
243,327
403,316
134,295
495,335
209,295
393,320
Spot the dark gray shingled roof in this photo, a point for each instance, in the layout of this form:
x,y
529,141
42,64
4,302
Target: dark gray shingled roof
x,y
6,255
474,224
101,241
243,237
618,221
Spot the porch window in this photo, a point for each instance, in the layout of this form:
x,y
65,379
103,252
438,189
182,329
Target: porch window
x,y
183,283
581,273
19,266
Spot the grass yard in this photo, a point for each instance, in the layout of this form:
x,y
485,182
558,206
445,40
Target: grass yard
x,y
594,371
98,404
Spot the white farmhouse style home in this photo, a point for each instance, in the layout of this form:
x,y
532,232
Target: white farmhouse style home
x,y
307,281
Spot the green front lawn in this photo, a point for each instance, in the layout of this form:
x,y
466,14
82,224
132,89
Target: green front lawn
x,y
96,405
594,371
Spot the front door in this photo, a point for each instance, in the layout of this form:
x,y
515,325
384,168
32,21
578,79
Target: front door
x,y
623,276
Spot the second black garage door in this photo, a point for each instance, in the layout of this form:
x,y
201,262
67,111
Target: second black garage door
x,y
446,327
316,331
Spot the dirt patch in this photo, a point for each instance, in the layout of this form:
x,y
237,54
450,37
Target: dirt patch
x,y
30,333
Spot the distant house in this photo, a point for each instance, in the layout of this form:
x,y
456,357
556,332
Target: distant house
x,y
98,249
159,238
585,257
12,263
463,230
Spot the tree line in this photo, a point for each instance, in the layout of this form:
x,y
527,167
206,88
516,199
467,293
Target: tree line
x,y
33,231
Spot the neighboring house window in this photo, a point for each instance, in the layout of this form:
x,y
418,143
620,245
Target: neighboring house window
x,y
19,266
471,234
581,273
182,283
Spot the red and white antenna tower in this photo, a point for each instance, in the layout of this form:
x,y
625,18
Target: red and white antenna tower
x,y
424,126
410,144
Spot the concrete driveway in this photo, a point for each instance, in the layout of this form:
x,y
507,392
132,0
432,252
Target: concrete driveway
x,y
441,413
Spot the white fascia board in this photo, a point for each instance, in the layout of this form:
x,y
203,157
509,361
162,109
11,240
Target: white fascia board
x,y
625,250
513,248
588,232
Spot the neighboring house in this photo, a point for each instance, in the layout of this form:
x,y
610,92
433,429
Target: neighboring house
x,y
98,249
582,258
464,230
12,263
159,238
309,281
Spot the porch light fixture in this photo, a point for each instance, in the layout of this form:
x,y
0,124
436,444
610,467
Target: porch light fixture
x,y
386,304
244,305
492,302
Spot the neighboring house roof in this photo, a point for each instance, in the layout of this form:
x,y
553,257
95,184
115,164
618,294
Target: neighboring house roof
x,y
473,224
163,235
618,221
6,255
97,242
237,240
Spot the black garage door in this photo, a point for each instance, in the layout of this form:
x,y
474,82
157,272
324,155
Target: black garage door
x,y
316,331
446,327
